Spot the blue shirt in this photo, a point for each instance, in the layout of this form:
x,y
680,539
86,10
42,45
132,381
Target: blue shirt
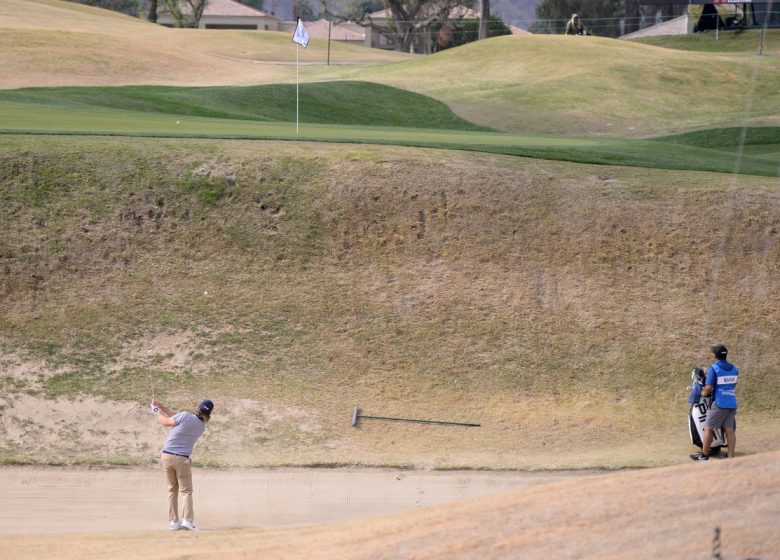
x,y
185,432
722,375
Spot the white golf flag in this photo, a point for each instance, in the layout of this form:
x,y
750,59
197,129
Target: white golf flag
x,y
301,36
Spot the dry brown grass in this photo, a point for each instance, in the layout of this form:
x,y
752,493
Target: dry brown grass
x,y
54,43
560,305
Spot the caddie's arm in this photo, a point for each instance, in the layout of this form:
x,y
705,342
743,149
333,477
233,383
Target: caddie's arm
x,y
707,391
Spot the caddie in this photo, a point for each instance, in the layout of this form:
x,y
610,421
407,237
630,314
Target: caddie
x,y
722,383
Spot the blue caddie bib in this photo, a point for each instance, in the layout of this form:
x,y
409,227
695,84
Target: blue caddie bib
x,y
725,386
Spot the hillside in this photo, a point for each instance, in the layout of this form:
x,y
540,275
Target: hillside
x,y
559,305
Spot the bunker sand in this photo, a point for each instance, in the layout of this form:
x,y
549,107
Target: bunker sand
x,y
51,499
661,513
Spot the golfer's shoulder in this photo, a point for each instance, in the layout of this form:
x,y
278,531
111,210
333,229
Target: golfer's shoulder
x,y
183,416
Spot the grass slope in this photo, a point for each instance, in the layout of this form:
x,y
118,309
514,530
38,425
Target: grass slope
x,y
560,305
759,142
358,103
55,43
590,85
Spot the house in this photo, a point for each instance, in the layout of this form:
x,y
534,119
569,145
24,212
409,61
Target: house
x,y
518,30
351,33
681,25
227,14
380,33
731,14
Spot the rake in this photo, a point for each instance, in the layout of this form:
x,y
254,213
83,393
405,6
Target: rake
x,y
356,415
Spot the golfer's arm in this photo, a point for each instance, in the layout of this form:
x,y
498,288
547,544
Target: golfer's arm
x,y
164,420
165,410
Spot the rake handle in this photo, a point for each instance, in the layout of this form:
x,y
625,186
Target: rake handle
x,y
420,421
356,414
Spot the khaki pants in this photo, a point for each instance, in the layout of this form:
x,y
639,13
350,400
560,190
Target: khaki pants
x,y
178,471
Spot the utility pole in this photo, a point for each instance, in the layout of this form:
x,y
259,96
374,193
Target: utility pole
x,y
484,19
330,23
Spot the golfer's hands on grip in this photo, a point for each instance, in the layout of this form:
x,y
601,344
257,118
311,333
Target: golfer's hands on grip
x,y
155,406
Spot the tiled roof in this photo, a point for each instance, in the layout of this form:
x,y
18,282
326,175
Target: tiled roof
x,y
518,30
223,8
230,8
319,29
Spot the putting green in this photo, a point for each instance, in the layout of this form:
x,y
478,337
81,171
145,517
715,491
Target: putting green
x,y
23,118
39,119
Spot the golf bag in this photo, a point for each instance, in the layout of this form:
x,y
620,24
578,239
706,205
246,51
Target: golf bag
x,y
697,414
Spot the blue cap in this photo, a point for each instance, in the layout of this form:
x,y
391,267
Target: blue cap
x,y
206,407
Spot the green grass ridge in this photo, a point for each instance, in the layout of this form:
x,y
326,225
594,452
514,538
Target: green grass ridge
x,y
343,102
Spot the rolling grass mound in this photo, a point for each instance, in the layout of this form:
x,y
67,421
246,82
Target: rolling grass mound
x,y
591,85
560,305
728,137
356,103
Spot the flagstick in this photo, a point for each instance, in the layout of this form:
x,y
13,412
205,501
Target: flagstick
x,y
297,82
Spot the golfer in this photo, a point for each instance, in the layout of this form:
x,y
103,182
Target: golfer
x,y
187,427
722,380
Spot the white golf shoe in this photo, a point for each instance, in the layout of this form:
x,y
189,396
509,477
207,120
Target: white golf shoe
x,y
189,525
175,525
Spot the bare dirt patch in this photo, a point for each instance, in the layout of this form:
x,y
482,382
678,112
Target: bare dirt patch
x,y
63,429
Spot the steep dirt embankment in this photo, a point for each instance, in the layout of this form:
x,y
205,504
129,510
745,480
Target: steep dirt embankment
x,y
559,305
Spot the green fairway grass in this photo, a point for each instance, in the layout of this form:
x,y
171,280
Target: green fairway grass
x,y
353,103
745,41
28,118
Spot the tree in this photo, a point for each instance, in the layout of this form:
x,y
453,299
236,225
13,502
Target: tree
x,y
601,17
186,13
411,21
302,9
130,7
454,34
